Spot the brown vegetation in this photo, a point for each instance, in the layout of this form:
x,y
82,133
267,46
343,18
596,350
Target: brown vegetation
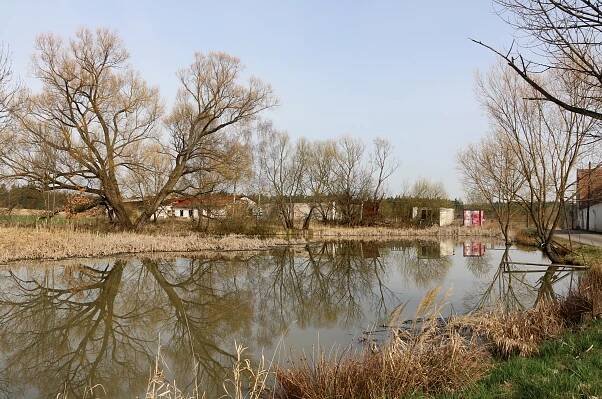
x,y
41,243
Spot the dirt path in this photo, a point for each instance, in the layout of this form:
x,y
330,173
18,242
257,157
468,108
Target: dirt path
x,y
582,237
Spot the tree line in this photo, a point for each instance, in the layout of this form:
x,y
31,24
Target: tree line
x,y
98,129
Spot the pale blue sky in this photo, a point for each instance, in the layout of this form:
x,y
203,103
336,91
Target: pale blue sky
x,y
397,69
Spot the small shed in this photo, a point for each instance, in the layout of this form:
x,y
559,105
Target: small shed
x,y
446,216
474,217
428,216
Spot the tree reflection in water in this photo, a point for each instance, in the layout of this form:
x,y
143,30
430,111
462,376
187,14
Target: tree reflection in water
x,y
512,288
72,326
66,327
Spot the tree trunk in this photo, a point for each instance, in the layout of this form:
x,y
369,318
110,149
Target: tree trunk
x,y
308,219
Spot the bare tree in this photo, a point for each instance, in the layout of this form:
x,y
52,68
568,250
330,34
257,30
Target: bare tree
x,y
426,189
490,171
351,183
6,89
560,35
283,165
319,179
83,131
383,164
545,142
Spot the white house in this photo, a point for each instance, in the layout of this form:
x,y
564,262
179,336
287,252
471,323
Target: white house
x,y
216,206
589,199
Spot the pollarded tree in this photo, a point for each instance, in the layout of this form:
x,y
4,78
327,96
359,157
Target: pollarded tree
x,y
95,121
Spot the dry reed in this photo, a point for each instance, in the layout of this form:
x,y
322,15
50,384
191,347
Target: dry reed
x,y
424,359
51,244
387,232
247,381
519,332
43,243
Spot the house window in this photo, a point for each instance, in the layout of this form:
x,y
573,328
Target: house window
x,y
181,213
190,213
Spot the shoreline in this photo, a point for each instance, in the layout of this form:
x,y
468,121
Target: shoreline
x,y
54,244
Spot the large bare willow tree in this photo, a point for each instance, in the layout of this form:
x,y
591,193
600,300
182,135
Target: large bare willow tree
x,y
95,122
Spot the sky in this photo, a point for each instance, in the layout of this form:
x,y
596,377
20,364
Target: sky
x,y
402,70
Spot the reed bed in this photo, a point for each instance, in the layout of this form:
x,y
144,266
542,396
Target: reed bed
x,y
56,243
514,333
388,232
53,244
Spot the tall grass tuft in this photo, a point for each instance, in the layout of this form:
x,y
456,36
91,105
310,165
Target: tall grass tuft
x,y
519,332
247,382
159,387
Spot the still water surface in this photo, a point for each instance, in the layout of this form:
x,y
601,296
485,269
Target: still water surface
x,y
67,325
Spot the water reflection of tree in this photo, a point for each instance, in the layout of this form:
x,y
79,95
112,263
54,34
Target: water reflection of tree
x,y
511,289
74,331
72,326
102,326
323,285
479,266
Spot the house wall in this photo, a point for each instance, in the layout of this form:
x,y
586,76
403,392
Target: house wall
x,y
446,216
595,218
186,213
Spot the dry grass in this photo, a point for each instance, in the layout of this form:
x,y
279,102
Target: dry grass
x,y
519,332
247,381
386,232
425,360
525,237
51,244
56,243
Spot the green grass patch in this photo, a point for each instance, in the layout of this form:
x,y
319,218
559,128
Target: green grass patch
x,y
586,255
569,367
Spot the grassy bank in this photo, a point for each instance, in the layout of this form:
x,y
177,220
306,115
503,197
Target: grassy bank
x,y
568,367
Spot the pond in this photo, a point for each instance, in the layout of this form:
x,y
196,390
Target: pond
x,y
66,325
